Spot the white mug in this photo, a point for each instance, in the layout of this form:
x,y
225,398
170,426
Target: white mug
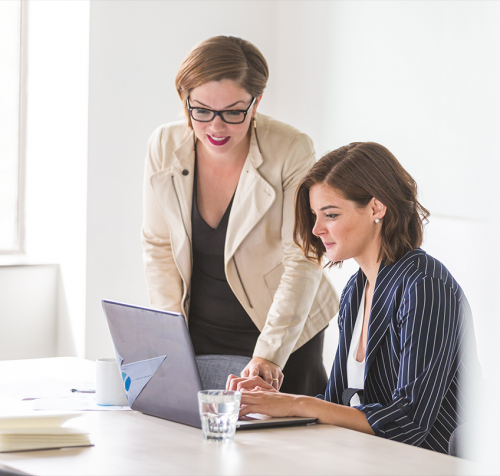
x,y
109,388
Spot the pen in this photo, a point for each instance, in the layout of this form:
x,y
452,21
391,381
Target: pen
x,y
75,390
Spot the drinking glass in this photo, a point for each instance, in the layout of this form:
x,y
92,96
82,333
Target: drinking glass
x,y
219,412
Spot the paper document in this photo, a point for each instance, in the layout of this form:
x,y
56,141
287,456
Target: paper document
x,y
136,375
74,403
37,388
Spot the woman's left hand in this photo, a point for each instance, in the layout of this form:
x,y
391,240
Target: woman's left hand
x,y
270,373
245,384
268,403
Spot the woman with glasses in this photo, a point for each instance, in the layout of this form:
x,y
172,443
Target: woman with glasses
x,y
218,221
406,341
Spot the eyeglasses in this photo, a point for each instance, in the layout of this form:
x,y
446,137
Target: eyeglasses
x,y
202,114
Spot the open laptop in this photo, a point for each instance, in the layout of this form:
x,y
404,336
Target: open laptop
x,y
158,366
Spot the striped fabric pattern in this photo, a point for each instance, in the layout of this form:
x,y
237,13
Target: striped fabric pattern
x,y
420,345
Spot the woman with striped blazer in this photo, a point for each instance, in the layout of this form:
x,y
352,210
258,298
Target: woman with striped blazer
x,y
406,343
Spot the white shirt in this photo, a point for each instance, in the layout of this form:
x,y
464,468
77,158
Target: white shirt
x,y
355,369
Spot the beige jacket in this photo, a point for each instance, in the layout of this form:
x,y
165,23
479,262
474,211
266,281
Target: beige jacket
x,y
288,298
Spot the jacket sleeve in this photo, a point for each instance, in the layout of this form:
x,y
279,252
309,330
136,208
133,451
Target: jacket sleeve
x,y
429,323
300,280
163,280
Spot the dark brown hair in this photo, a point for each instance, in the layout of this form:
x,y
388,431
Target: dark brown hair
x,y
359,172
218,58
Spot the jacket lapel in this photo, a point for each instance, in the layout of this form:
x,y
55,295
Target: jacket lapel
x,y
352,311
253,198
380,316
174,192
338,377
185,156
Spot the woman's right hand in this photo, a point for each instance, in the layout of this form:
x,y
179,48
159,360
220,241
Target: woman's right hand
x,y
248,384
267,370
269,402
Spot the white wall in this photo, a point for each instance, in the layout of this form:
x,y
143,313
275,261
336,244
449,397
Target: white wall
x,y
28,311
56,153
299,69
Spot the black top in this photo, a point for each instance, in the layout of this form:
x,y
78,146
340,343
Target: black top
x,y
218,323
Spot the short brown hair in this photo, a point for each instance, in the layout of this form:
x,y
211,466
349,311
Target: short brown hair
x,y
359,172
218,58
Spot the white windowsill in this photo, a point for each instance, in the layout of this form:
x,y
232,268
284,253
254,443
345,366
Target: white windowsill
x,y
23,260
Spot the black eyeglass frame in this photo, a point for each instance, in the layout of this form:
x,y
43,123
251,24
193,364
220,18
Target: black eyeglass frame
x,y
219,113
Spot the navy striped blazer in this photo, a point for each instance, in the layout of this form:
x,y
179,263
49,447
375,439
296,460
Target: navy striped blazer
x,y
420,343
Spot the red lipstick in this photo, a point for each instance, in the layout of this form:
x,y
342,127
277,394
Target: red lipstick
x,y
217,141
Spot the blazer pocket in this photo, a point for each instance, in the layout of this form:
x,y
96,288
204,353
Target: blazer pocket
x,y
273,278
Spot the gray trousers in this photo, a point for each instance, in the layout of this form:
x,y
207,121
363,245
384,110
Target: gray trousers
x,y
214,369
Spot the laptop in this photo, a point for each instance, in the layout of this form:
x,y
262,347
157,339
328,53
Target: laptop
x,y
158,366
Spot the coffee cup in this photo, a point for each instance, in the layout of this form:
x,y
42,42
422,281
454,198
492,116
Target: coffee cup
x,y
109,388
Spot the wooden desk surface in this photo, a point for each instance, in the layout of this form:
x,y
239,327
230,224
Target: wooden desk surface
x,y
129,443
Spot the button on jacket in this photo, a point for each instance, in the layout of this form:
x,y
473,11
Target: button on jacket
x,y
420,342
288,297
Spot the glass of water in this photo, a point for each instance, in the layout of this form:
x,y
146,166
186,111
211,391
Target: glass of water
x,y
219,412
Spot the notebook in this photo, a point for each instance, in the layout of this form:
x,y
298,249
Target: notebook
x,y
158,366
39,432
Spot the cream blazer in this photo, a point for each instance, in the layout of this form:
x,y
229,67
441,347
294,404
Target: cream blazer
x,y
287,297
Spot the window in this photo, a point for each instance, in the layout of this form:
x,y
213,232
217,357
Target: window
x,y
10,65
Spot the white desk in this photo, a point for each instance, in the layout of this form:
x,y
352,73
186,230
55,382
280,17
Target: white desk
x,y
129,443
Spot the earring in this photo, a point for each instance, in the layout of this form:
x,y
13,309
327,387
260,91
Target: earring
x,y
377,220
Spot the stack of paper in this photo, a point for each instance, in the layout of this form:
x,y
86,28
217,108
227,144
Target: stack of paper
x,y
37,432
